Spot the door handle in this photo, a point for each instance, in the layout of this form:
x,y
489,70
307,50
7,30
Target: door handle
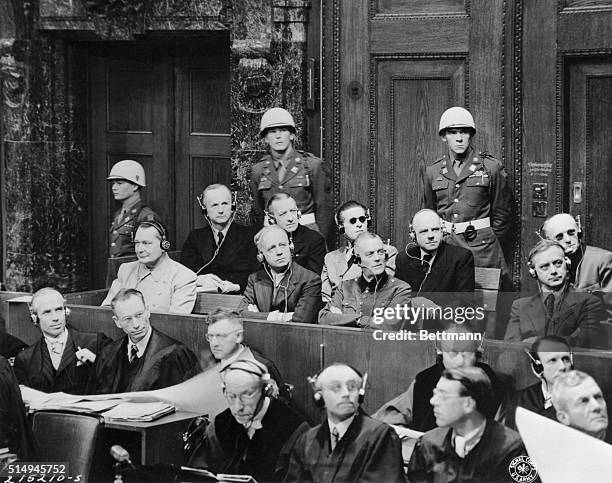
x,y
577,192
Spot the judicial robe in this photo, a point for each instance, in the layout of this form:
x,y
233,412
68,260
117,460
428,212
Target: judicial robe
x,y
165,362
531,398
226,447
33,366
15,429
369,451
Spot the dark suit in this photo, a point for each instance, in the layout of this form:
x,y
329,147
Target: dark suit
x,y
33,366
575,318
531,398
237,257
308,249
302,296
164,363
452,271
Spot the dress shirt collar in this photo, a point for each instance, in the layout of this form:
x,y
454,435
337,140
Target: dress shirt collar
x,y
433,255
59,341
157,272
141,345
216,232
471,439
374,284
255,423
342,427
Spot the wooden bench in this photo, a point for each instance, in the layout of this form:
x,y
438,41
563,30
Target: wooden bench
x,y
207,303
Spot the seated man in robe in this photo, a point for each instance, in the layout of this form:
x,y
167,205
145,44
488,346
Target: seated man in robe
x,y
167,285
550,357
281,290
221,253
579,403
145,358
61,360
254,436
467,445
412,408
557,309
348,445
361,301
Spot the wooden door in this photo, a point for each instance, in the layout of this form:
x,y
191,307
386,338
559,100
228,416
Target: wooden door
x,y
400,64
167,107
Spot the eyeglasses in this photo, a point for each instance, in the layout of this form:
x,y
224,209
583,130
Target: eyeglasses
x,y
129,318
362,219
243,398
220,336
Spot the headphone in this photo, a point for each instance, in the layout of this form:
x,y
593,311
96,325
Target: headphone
x,y
272,220
318,397
340,224
532,270
200,199
34,317
256,368
412,233
538,368
164,243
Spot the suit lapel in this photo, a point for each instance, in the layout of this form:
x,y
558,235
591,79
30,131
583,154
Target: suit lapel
x,y
68,356
567,311
536,314
263,293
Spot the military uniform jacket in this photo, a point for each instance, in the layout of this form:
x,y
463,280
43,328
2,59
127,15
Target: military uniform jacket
x,y
594,275
302,295
481,190
237,257
165,362
306,180
434,459
358,305
122,229
33,366
369,451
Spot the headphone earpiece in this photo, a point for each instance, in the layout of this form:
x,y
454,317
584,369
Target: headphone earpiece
x,y
258,369
532,271
164,243
270,217
34,318
200,199
411,233
260,257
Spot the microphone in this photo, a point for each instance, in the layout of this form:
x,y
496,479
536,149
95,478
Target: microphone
x,y
120,454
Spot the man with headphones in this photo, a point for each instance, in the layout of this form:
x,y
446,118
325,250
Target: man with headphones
x,y
221,253
348,445
440,274
557,309
281,290
550,357
351,220
255,434
363,299
167,286
61,360
591,268
308,245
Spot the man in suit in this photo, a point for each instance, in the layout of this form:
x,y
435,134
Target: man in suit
x,y
557,308
255,434
591,268
467,445
145,358
364,300
62,358
550,357
308,245
441,275
281,290
221,254
348,445
167,286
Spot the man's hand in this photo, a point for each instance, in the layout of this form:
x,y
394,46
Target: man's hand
x,y
84,355
209,282
279,316
252,308
227,287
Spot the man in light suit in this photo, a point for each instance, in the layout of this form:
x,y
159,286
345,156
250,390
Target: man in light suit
x,y
557,309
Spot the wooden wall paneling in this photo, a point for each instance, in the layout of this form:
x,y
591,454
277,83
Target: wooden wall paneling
x,y
418,7
585,30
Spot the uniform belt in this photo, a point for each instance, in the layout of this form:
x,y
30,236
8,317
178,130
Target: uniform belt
x,y
459,228
308,219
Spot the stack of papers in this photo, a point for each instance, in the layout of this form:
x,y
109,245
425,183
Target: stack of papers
x,y
38,400
138,412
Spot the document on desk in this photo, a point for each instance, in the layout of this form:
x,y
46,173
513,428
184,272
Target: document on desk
x,y
139,412
39,400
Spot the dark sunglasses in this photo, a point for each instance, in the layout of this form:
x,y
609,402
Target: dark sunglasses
x,y
362,219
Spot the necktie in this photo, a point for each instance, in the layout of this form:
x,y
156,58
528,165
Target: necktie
x,y
133,353
426,262
550,305
57,347
457,166
460,446
335,437
281,171
220,238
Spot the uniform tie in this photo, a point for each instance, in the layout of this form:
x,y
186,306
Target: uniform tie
x,y
426,262
457,164
335,438
282,170
220,238
550,305
133,353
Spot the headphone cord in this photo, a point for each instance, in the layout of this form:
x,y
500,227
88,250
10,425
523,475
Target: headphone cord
x,y
218,249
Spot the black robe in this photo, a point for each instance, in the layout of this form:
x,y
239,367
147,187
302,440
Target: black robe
x,y
369,451
226,447
33,366
15,429
531,398
237,257
308,249
164,363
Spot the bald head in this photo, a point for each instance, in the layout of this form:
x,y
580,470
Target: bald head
x,y
563,229
44,293
427,228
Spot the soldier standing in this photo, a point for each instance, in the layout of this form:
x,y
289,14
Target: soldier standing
x,y
284,169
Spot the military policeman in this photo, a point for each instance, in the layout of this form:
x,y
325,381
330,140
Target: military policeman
x,y
284,169
470,191
127,177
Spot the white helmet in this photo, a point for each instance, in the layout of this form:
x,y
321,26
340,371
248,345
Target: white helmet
x,y
276,117
129,170
456,117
